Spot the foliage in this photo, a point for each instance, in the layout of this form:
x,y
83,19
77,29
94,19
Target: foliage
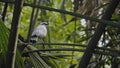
x,y
4,35
58,32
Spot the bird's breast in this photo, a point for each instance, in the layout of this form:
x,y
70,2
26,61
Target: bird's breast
x,y
41,31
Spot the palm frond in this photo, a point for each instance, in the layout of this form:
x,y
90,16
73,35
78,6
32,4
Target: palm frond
x,y
4,35
36,59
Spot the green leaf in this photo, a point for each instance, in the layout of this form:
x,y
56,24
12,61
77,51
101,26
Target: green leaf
x,y
4,36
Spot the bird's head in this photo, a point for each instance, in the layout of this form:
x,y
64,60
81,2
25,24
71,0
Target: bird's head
x,y
43,23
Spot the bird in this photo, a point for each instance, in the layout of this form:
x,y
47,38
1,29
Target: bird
x,y
39,32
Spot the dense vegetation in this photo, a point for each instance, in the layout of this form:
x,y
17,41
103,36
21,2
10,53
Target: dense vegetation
x,y
73,26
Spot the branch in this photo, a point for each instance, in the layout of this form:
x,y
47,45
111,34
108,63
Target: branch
x,y
56,49
70,44
75,14
32,24
108,53
108,49
71,49
64,44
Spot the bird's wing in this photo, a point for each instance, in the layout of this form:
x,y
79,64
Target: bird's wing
x,y
40,31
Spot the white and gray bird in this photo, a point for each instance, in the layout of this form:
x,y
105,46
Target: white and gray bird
x,y
39,32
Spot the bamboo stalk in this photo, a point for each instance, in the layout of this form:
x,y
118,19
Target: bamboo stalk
x,y
12,45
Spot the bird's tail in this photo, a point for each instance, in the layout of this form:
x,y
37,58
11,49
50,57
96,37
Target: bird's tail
x,y
34,39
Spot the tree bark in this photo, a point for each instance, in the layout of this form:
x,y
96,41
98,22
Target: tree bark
x,y
12,45
99,30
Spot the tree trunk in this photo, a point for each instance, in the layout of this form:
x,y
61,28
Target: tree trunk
x,y
99,30
12,45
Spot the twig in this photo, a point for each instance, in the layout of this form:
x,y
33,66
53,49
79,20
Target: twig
x,y
66,44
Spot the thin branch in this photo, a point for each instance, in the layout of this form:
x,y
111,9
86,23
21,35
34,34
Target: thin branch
x,y
108,49
7,1
107,53
31,26
65,44
33,19
56,49
71,49
49,37
70,44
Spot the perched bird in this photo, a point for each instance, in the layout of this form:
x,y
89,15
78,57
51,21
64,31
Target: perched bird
x,y
39,32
